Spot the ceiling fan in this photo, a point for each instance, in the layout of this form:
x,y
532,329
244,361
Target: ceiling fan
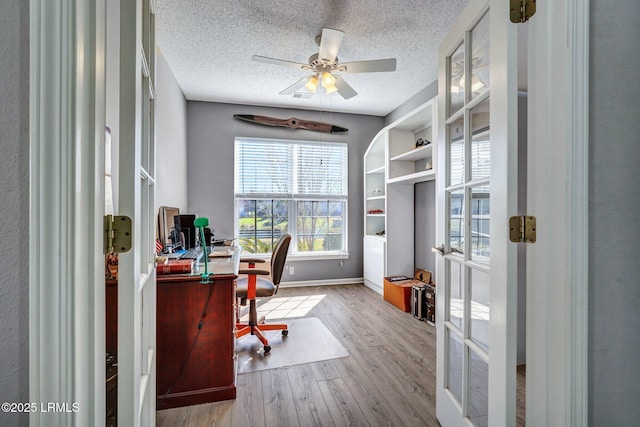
x,y
325,63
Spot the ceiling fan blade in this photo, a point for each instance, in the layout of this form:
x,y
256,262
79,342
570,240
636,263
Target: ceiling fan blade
x,y
344,89
297,85
374,66
330,42
265,59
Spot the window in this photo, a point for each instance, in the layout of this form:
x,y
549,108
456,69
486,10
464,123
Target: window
x,y
295,187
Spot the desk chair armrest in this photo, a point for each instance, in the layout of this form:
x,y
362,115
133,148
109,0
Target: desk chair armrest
x,y
254,271
252,260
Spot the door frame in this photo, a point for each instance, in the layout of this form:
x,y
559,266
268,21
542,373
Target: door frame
x,y
557,264
66,204
65,314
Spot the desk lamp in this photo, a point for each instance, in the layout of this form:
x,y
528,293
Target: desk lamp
x,y
201,223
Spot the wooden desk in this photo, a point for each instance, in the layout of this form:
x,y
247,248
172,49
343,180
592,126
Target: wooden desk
x,y
210,371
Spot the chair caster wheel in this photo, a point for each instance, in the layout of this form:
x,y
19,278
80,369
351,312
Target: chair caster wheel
x,y
267,349
285,332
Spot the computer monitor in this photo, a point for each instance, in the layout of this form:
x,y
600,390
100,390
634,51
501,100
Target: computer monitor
x,y
184,223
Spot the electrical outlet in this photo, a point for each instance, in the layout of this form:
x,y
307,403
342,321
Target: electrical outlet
x,y
291,271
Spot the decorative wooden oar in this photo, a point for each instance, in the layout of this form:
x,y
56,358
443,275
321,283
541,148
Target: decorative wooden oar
x,y
292,123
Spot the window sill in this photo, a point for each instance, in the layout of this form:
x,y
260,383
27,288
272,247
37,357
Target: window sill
x,y
317,257
302,257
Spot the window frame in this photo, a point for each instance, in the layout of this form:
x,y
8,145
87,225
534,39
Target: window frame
x,y
292,201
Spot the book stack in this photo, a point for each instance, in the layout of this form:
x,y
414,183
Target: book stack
x,y
176,266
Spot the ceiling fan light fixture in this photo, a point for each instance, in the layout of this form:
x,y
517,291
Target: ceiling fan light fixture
x,y
328,80
312,84
323,63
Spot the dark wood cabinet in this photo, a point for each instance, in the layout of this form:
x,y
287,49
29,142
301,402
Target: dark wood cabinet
x,y
195,340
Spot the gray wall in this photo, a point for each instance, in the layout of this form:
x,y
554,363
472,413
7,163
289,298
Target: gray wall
x,y
171,140
425,225
14,207
614,202
412,103
211,130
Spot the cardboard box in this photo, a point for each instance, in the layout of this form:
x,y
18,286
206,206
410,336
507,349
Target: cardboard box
x,y
424,276
398,292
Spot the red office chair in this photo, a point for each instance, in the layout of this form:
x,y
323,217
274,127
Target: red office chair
x,y
252,286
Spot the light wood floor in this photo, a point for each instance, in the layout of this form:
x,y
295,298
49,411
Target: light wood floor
x,y
387,380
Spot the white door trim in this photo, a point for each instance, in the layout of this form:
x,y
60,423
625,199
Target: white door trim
x,y
66,268
557,264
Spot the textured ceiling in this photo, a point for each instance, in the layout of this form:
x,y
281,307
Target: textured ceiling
x,y
209,44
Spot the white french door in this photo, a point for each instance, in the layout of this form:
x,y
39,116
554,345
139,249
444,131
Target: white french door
x,y
136,270
476,192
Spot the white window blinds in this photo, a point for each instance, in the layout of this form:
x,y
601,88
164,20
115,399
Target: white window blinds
x,y
277,169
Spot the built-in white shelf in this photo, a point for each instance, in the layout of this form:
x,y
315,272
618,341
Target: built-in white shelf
x,y
376,237
376,170
413,178
376,197
419,153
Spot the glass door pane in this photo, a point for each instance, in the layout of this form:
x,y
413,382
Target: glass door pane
x,y
480,221
478,411
479,63
456,221
455,364
480,312
480,151
455,300
456,74
456,161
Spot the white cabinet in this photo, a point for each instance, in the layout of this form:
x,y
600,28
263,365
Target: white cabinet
x,y
374,271
402,154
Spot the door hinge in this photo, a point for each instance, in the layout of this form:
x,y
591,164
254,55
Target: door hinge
x,y
117,233
522,229
522,10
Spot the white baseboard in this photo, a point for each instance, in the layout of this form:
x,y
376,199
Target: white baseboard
x,y
327,282
373,286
